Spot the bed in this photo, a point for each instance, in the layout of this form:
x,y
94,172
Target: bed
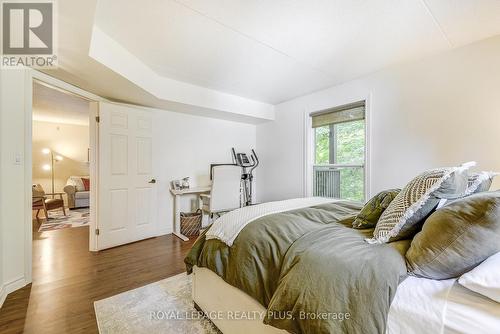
x,y
309,261
421,306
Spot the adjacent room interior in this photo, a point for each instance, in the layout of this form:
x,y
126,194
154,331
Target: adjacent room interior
x,y
61,159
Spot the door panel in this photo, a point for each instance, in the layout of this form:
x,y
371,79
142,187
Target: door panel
x,y
119,120
119,154
143,199
118,207
127,200
144,156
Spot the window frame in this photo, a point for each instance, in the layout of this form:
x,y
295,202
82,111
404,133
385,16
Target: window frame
x,y
310,147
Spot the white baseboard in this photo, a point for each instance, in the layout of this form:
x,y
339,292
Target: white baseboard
x,y
11,287
165,232
3,295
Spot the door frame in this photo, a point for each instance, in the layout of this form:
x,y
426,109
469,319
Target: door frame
x,y
45,79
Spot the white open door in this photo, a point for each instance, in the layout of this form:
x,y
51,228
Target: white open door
x,y
126,186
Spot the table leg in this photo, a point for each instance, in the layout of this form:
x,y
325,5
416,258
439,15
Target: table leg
x,y
200,206
177,219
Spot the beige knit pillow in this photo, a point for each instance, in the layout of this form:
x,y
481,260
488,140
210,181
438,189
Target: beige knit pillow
x,y
402,218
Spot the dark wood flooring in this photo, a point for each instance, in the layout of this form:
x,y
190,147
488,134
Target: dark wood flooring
x,y
67,279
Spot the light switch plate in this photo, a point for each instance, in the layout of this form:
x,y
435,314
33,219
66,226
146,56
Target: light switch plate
x,y
18,159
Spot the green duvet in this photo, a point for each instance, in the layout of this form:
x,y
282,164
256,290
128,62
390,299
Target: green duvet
x,y
310,269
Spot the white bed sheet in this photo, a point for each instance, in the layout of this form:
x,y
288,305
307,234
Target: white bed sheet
x,y
426,306
470,312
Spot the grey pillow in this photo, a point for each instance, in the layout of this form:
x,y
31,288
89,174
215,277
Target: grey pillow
x,y
457,237
373,209
476,183
479,182
402,219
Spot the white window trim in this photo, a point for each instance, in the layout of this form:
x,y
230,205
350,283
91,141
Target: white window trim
x,y
309,145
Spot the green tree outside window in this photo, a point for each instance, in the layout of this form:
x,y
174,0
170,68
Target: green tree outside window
x,y
349,148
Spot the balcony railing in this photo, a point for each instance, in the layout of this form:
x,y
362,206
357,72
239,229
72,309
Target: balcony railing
x,y
327,180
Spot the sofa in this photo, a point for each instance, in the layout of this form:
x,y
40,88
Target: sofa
x,y
78,191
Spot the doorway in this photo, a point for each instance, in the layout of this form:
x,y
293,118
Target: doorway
x,y
63,160
127,141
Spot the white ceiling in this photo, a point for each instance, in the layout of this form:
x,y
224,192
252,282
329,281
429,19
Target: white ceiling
x,y
262,50
273,51
51,105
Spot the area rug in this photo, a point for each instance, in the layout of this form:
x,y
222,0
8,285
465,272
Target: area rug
x,y
57,221
161,307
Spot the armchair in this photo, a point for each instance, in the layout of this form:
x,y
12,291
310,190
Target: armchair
x,y
41,202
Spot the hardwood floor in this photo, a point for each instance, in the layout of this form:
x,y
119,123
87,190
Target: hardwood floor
x,y
67,279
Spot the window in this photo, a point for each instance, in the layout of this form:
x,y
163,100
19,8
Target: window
x,y
339,152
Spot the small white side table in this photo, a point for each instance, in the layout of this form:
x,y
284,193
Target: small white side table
x,y
177,208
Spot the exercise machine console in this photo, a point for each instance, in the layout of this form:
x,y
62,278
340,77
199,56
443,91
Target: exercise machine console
x,y
248,165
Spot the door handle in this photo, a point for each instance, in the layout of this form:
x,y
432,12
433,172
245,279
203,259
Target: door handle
x,y
152,181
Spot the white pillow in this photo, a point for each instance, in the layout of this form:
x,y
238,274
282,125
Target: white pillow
x,y
77,182
485,278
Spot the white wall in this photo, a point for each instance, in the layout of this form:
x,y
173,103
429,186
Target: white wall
x,y
186,145
68,140
443,110
12,180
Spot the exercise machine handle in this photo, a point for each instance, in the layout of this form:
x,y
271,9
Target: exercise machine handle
x,y
255,160
235,160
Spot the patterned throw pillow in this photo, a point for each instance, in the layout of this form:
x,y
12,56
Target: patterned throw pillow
x,y
416,201
371,212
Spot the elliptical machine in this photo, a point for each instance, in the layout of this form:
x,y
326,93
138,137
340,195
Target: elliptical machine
x,y
247,166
